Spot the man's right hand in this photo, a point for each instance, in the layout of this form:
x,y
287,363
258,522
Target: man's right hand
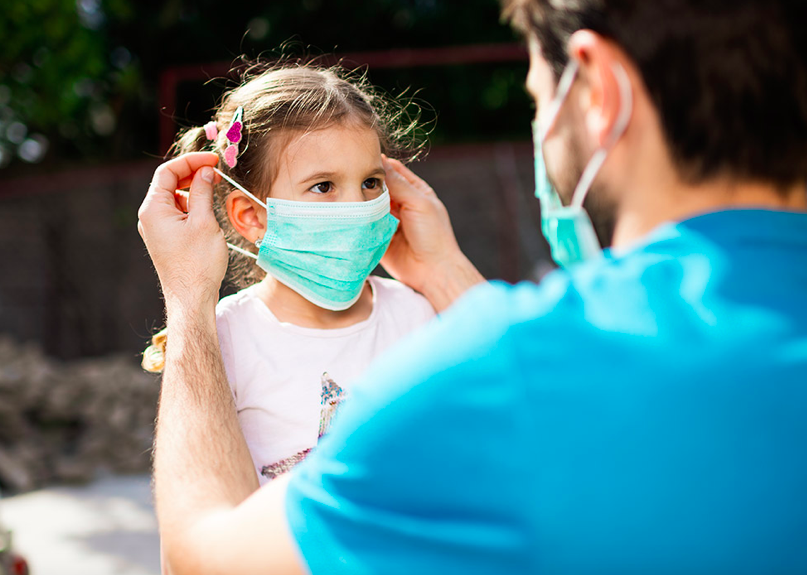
x,y
424,253
181,232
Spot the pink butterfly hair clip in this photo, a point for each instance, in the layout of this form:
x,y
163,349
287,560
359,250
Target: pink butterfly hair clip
x,y
234,136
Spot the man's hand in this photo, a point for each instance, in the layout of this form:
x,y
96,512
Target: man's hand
x,y
424,253
181,233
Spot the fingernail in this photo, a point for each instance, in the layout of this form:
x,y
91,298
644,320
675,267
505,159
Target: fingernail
x,y
207,175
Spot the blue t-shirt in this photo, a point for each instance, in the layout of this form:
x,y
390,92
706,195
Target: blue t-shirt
x,y
642,414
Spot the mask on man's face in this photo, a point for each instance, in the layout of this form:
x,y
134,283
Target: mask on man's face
x,y
568,229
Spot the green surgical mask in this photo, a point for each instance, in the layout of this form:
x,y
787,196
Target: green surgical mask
x,y
324,251
568,229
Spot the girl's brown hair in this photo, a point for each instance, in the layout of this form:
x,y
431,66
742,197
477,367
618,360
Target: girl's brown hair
x,y
278,102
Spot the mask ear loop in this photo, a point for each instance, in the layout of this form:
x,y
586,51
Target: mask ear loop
x,y
240,188
251,196
241,251
621,124
564,86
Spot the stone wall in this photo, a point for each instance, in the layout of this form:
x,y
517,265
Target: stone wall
x,y
76,278
68,421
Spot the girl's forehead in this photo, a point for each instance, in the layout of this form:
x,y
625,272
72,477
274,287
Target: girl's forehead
x,y
335,148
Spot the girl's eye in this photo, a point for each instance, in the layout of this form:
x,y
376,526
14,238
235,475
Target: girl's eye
x,y
372,183
321,188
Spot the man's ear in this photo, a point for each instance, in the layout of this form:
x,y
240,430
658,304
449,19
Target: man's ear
x,y
247,218
601,99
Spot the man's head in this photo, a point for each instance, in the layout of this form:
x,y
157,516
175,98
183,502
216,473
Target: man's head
x,y
726,82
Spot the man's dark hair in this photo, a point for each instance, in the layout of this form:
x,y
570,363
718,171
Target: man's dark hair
x,y
728,77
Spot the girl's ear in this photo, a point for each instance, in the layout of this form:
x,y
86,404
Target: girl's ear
x,y
247,218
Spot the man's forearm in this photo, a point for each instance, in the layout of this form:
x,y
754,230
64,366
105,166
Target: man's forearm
x,y
201,461
450,282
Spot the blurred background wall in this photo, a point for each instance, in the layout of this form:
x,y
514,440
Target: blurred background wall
x,y
92,93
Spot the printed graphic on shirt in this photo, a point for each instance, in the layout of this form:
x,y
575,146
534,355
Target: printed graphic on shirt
x,y
284,465
332,397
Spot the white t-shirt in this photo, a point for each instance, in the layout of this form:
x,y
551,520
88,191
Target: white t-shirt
x,y
287,380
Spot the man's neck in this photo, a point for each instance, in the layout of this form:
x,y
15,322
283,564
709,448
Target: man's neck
x,y
649,191
676,202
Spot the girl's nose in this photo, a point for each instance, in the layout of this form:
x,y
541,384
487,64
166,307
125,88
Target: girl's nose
x,y
357,194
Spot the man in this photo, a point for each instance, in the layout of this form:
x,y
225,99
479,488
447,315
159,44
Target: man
x,y
641,412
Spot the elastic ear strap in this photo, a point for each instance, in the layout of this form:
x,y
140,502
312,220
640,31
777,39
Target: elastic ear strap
x,y
240,188
241,251
620,125
564,87
626,110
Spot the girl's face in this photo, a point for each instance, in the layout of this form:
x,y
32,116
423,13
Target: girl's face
x,y
340,163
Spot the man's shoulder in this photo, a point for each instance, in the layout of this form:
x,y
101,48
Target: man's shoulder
x,y
566,312
466,342
561,302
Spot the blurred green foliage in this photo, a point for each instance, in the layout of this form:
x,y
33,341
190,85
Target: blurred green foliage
x,y
80,77
59,80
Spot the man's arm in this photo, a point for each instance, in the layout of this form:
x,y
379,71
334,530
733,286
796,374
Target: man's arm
x,y
203,473
212,517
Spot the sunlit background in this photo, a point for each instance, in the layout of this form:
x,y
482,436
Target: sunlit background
x,y
92,93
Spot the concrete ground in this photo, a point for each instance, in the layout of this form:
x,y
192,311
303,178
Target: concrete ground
x,y
105,528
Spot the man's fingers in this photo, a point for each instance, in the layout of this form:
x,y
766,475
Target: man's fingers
x,y
181,199
200,200
171,174
394,207
398,168
161,195
401,190
185,183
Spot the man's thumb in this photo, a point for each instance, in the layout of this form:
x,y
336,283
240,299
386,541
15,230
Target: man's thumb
x,y
400,190
201,193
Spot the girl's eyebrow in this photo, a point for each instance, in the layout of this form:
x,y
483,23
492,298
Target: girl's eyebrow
x,y
331,175
319,176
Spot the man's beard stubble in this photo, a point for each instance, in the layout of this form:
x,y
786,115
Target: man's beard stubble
x,y
598,202
602,211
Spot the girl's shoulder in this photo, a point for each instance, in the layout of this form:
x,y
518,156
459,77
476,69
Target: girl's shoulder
x,y
400,300
242,302
391,289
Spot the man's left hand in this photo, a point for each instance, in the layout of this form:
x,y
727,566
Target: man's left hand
x,y
182,234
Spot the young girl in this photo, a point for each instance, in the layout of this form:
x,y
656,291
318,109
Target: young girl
x,y
305,208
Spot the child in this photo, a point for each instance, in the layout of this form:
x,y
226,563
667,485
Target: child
x,y
302,179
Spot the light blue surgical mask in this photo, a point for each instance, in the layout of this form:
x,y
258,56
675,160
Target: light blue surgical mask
x,y
323,250
568,229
